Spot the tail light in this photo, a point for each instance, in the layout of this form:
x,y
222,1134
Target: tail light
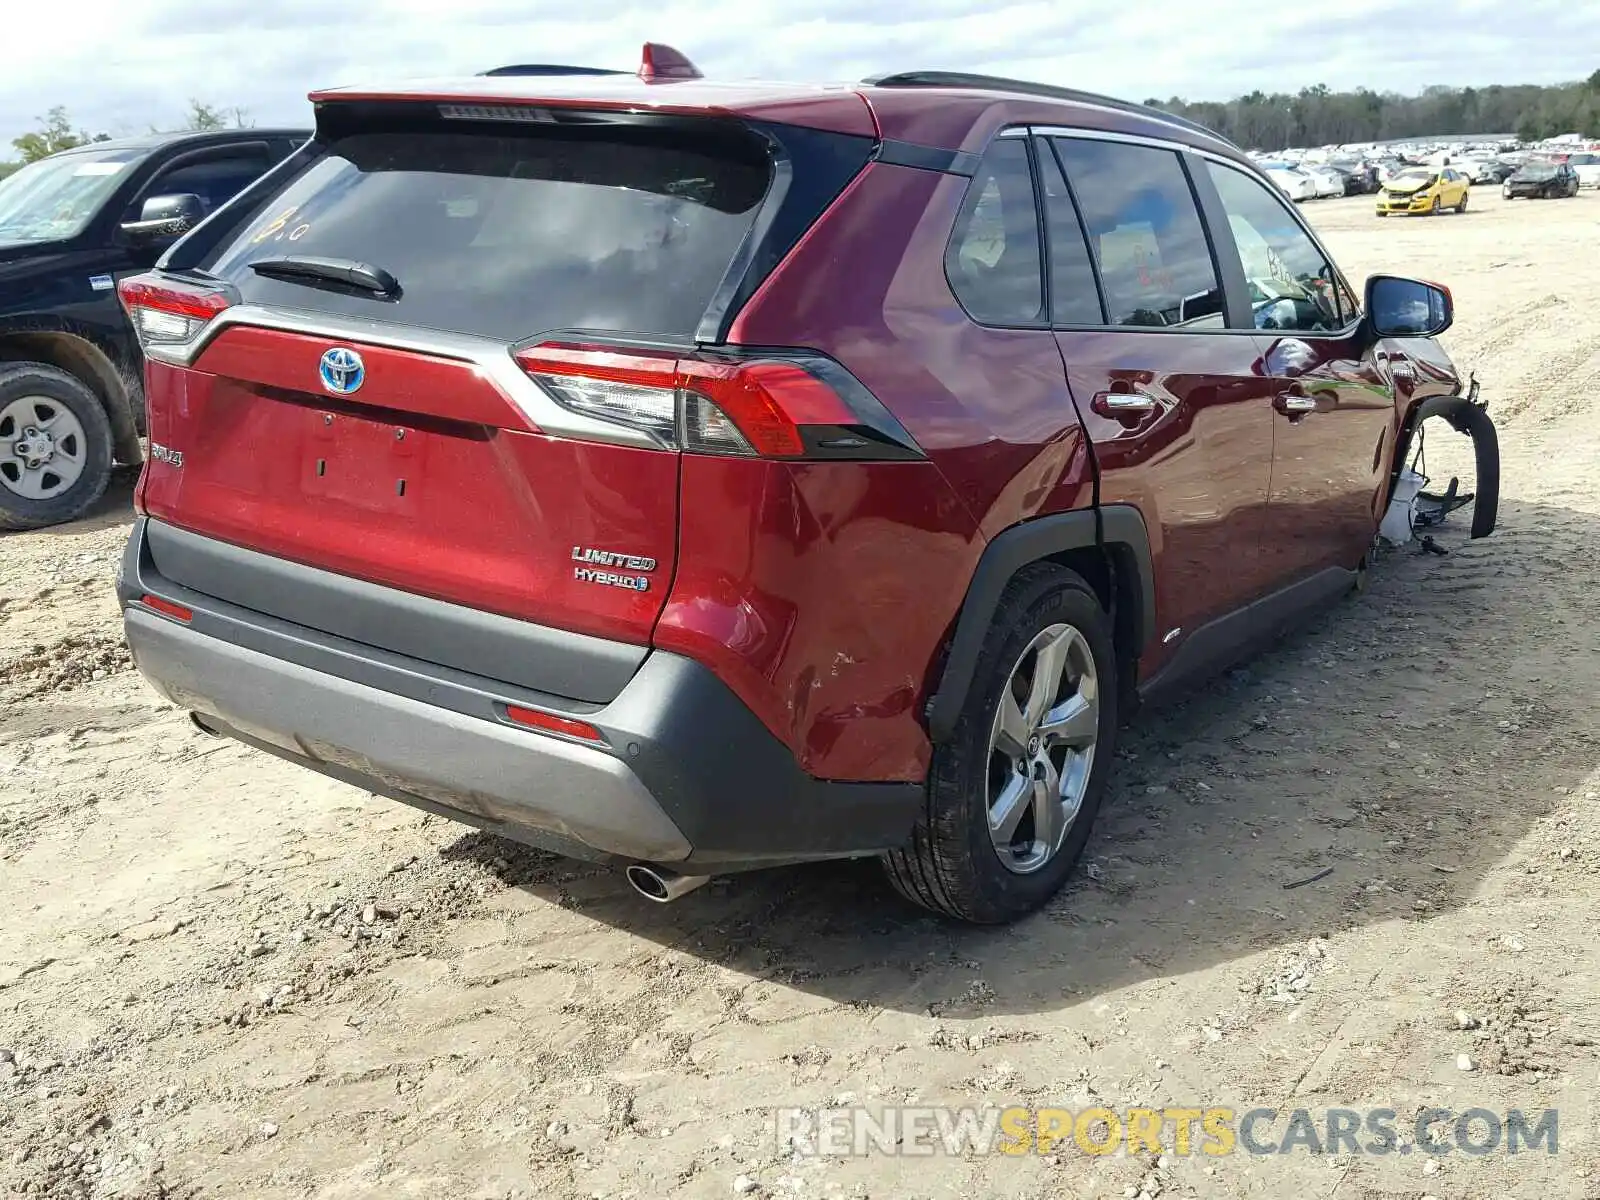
x,y
786,405
165,312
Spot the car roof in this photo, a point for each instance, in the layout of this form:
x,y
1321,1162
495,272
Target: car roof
x,y
158,141
948,110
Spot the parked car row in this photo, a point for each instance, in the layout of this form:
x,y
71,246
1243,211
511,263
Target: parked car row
x,y
1431,189
1307,181
1307,174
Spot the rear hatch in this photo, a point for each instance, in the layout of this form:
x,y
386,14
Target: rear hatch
x,y
362,370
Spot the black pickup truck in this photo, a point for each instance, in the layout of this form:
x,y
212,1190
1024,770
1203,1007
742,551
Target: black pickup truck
x,y
71,225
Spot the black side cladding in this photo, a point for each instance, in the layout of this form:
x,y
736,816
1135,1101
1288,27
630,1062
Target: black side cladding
x,y
1116,527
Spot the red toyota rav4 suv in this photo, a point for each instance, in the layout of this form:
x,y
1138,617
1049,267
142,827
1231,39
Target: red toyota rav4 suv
x,y
702,477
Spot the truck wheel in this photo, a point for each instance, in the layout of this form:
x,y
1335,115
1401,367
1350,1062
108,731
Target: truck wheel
x,y
55,446
1013,792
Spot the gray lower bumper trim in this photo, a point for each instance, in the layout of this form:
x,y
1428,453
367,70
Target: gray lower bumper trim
x,y
497,774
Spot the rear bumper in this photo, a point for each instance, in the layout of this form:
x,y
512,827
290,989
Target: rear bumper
x,y
686,776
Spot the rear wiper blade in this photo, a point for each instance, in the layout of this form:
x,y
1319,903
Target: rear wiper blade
x,y
329,270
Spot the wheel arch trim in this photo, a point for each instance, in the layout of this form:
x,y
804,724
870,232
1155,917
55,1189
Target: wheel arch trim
x,y
1112,526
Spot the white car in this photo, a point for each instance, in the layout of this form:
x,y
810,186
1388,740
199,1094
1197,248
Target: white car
x,y
1586,166
1326,181
1296,185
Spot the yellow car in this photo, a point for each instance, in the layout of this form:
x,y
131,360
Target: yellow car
x,y
1424,190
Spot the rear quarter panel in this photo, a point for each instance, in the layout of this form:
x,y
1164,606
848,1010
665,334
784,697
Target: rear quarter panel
x,y
888,551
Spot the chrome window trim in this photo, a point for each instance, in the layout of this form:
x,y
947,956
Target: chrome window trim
x,y
1246,168
492,359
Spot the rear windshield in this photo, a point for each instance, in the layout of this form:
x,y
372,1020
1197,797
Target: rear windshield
x,y
507,234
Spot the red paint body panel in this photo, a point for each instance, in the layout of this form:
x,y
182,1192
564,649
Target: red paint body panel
x,y
395,379
1330,467
821,593
1198,468
488,517
990,407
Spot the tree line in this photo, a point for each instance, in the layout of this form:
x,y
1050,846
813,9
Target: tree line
x,y
1313,116
1317,116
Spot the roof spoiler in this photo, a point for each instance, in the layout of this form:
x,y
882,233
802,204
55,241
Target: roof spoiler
x,y
658,63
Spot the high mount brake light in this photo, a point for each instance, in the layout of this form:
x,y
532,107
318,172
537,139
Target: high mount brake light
x,y
167,313
776,407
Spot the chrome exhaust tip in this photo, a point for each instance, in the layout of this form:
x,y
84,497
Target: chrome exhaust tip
x,y
662,886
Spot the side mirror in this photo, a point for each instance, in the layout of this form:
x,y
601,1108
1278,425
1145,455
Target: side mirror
x,y
165,218
1401,307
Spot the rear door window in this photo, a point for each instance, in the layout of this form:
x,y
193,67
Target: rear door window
x,y
1074,295
508,234
1145,230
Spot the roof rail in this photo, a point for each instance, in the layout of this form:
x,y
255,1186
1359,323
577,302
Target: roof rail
x,y
549,69
998,83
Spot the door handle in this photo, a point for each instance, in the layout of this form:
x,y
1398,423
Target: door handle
x,y
1123,404
1399,366
1294,404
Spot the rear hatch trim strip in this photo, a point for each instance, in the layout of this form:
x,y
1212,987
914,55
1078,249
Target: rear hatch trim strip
x,y
492,359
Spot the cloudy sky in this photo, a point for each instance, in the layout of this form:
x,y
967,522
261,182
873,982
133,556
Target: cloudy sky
x,y
123,65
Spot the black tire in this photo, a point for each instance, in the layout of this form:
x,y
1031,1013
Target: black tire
x,y
1462,207
40,379
1437,207
950,865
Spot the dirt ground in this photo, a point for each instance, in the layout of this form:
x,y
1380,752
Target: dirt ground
x,y
224,976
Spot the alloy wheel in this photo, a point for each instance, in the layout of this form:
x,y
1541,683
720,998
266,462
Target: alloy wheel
x,y
1041,748
43,449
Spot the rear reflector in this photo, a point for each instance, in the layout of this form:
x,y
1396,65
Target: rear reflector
x,y
164,312
778,407
545,722
167,608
